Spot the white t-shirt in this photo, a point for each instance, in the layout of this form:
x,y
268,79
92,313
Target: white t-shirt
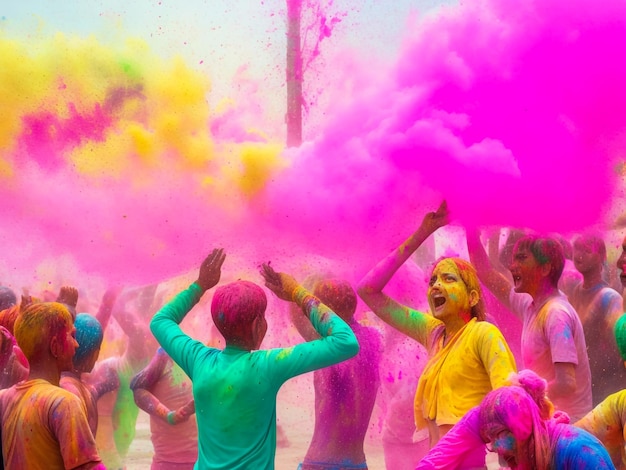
x,y
552,333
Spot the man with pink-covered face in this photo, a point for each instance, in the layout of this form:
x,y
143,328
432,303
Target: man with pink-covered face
x,y
553,341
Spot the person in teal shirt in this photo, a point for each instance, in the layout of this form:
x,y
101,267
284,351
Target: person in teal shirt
x,y
235,388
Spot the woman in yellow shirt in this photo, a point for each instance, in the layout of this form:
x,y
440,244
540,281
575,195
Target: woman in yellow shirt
x,y
469,357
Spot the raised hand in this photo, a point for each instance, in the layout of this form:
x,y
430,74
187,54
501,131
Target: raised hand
x,y
68,295
110,295
6,344
211,269
281,284
434,220
26,301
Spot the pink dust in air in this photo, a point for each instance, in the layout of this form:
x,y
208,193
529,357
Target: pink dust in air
x,y
512,113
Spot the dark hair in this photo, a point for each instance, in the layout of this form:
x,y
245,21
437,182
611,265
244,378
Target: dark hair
x,y
545,250
338,295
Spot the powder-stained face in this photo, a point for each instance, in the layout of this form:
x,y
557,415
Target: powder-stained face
x,y
621,264
586,255
526,271
505,445
67,347
447,293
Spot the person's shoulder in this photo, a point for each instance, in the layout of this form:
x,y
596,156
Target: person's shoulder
x,y
71,383
559,313
54,395
520,302
486,327
65,399
616,400
578,437
370,343
485,332
560,304
60,392
112,362
578,448
609,294
575,432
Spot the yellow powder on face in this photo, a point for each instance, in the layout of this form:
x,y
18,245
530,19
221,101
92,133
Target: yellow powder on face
x,y
447,266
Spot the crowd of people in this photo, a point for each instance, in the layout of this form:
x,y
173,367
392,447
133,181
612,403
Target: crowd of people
x,y
463,393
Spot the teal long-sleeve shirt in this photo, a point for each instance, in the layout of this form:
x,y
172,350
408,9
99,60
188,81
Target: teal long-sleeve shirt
x,y
235,390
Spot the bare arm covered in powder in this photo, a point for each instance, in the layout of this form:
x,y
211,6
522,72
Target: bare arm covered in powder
x,y
68,295
302,323
370,288
106,306
564,383
137,331
104,379
337,341
12,360
493,252
165,323
450,452
498,284
142,384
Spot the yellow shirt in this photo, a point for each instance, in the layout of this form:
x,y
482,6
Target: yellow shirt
x,y
457,377
606,422
44,427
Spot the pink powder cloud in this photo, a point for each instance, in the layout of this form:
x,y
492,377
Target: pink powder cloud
x,y
514,115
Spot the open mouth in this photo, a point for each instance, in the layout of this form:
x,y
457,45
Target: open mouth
x,y
439,301
517,280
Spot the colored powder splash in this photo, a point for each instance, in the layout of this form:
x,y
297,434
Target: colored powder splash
x,y
512,113
111,154
107,155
